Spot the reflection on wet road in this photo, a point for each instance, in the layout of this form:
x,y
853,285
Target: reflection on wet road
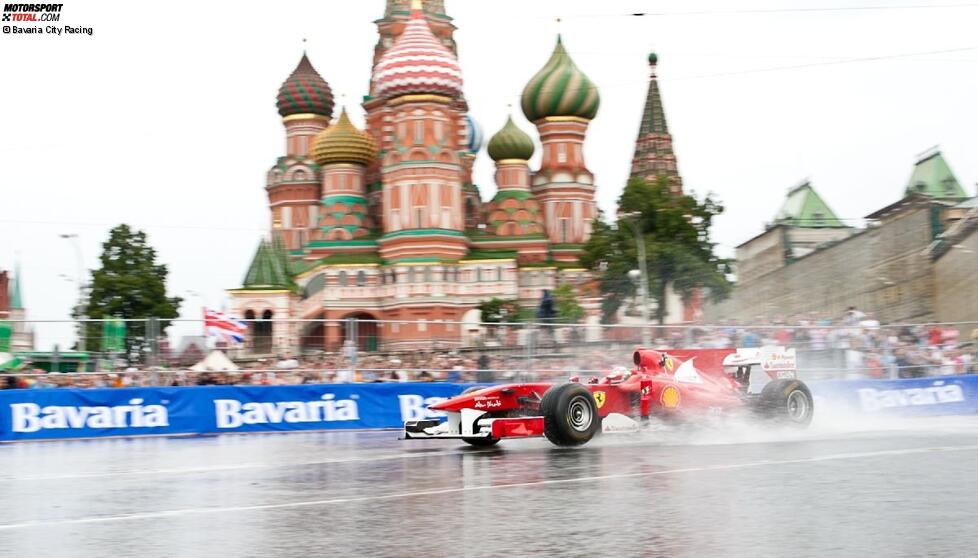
x,y
894,489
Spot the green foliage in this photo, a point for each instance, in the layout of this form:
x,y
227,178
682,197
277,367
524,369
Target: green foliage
x,y
129,285
569,310
676,230
498,310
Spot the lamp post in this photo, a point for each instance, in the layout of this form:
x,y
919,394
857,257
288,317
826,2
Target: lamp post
x,y
642,274
81,286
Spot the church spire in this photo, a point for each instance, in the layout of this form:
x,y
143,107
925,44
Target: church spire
x,y
653,148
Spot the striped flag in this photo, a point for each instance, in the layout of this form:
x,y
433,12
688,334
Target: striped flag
x,y
221,325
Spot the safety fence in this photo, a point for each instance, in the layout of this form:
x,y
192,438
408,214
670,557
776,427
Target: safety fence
x,y
78,413
368,350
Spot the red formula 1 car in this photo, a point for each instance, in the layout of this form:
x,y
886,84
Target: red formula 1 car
x,y
674,384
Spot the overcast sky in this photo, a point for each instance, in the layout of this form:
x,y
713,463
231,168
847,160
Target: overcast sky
x,y
165,118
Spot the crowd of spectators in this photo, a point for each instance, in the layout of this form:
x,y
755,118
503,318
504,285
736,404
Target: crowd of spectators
x,y
852,345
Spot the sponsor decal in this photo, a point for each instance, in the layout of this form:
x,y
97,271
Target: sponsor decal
x,y
778,359
488,402
670,364
31,417
938,393
670,397
600,397
231,413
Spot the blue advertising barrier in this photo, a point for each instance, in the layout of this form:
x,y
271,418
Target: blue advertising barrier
x,y
44,414
933,396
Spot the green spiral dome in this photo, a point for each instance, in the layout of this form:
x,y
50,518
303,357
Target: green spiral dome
x,y
560,89
510,143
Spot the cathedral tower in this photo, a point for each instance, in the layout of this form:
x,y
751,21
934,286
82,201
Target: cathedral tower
x,y
514,215
342,153
654,156
305,103
420,81
561,101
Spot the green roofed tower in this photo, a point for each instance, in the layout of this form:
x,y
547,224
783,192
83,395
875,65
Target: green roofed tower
x,y
933,177
805,208
654,155
269,268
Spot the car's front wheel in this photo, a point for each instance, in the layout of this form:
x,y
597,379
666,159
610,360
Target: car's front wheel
x,y
570,415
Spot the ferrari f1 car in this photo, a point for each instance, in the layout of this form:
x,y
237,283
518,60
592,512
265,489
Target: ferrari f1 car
x,y
680,384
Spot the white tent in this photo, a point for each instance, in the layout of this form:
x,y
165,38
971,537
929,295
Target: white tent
x,y
216,361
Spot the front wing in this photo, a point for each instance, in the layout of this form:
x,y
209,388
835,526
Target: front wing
x,y
471,423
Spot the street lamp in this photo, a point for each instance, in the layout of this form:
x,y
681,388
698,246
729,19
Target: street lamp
x,y
642,274
81,286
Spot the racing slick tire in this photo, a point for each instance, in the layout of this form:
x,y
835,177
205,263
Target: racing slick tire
x,y
479,442
787,402
570,415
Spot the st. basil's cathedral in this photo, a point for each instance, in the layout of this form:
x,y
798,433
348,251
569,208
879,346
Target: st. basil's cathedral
x,y
386,224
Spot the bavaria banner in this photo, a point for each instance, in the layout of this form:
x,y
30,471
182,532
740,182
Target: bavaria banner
x,y
83,413
932,396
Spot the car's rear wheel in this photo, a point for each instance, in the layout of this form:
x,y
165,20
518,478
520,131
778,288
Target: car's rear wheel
x,y
788,402
570,415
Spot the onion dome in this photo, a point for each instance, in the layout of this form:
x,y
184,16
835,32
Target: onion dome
x,y
343,143
560,89
510,143
653,58
475,135
417,63
305,92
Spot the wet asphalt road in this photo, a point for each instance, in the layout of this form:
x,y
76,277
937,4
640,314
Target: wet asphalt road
x,y
905,489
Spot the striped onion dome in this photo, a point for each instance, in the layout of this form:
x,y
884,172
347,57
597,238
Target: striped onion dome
x,y
476,137
305,92
417,62
510,143
560,89
344,143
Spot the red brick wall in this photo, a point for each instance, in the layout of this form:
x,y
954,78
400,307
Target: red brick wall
x,y
4,293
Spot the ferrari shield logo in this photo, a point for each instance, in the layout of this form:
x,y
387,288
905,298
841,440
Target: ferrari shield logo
x,y
599,398
670,397
670,364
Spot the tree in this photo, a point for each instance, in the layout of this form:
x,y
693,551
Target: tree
x,y
676,230
569,310
498,310
129,285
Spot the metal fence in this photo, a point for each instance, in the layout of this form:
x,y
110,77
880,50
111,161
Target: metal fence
x,y
154,352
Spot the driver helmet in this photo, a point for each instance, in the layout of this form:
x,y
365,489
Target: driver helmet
x,y
621,372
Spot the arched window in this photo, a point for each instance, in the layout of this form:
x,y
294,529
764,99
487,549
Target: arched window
x,y
410,276
499,274
427,274
361,278
341,279
478,274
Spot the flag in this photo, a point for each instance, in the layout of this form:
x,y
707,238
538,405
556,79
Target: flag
x,y
6,333
114,336
221,325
